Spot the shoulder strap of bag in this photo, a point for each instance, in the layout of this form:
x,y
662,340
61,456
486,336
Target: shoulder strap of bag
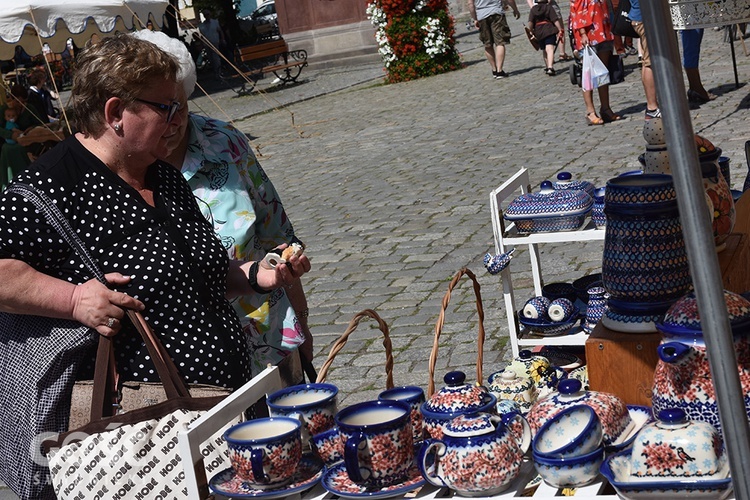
x,y
105,372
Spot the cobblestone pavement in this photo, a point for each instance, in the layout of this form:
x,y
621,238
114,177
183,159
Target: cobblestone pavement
x,y
388,185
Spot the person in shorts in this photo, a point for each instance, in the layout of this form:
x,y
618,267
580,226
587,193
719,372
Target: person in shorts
x,y
494,33
647,74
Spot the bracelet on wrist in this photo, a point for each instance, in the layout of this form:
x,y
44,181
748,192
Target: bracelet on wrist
x,y
252,279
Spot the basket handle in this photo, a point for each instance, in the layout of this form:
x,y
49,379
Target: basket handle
x,y
441,320
339,344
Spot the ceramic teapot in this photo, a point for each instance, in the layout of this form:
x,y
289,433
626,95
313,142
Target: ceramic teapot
x,y
456,398
479,455
509,385
682,378
528,364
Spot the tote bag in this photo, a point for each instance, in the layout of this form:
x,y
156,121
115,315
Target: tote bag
x,y
133,455
621,21
594,73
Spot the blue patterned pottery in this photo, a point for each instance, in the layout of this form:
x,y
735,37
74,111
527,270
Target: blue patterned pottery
x,y
617,469
479,455
509,385
565,181
456,398
583,284
596,307
617,424
536,308
549,210
682,378
561,310
547,328
644,265
725,170
597,209
569,472
499,262
414,397
572,432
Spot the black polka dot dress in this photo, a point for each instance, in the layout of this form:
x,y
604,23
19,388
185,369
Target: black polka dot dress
x,y
178,265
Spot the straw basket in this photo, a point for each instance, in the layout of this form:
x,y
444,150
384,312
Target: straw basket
x,y
441,320
339,344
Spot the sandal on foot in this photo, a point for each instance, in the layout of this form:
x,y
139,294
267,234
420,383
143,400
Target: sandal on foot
x,y
565,57
609,116
593,119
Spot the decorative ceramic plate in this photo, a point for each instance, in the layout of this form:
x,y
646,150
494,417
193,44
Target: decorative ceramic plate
x,y
558,357
308,474
548,328
616,469
337,481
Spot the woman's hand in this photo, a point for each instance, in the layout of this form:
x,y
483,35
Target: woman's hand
x,y
584,39
98,307
283,274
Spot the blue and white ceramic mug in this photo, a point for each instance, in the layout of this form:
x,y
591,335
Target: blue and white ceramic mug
x,y
414,396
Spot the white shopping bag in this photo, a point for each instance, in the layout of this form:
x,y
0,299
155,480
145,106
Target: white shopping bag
x,y
594,73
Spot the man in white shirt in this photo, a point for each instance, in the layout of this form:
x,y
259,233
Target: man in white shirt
x,y
489,17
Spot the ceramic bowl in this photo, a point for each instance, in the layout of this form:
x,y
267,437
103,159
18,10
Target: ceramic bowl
x,y
583,284
549,210
617,424
573,432
548,328
559,290
569,472
617,469
674,447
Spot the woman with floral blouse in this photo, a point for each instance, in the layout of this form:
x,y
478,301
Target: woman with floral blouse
x,y
237,197
589,20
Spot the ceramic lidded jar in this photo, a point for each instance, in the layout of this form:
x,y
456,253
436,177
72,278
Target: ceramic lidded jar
x,y
644,263
565,181
674,447
616,421
682,378
597,210
479,455
549,210
528,364
456,398
508,385
656,158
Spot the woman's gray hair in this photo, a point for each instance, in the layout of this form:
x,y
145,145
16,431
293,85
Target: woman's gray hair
x,y
186,74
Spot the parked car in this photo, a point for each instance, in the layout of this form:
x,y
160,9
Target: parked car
x,y
263,21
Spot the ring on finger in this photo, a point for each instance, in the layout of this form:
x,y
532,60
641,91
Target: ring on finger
x,y
111,322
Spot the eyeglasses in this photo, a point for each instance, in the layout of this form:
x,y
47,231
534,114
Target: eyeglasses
x,y
170,109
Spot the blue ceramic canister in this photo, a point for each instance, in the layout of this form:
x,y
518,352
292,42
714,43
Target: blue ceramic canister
x,y
549,210
565,181
597,210
644,266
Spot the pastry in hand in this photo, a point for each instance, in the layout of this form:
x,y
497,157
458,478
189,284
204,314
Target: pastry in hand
x,y
291,251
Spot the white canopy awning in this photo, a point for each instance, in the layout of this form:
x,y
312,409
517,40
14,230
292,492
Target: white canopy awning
x,y
57,20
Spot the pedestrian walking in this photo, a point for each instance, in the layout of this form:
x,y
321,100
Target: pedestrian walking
x,y
494,32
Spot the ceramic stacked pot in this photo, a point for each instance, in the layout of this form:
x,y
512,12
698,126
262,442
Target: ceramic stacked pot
x,y
682,378
644,266
656,158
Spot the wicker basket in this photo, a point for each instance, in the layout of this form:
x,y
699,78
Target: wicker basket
x,y
441,320
339,344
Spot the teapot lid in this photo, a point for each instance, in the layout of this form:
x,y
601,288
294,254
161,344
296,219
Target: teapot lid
x,y
565,181
569,386
475,424
549,202
682,318
457,396
510,379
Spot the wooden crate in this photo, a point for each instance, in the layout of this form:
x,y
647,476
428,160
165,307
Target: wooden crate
x,y
622,363
734,262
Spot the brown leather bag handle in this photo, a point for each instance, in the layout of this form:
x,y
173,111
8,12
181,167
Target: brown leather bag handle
x,y
105,371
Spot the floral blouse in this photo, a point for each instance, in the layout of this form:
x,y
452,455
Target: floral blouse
x,y
593,16
236,196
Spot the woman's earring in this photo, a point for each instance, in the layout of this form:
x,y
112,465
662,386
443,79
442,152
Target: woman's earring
x,y
117,127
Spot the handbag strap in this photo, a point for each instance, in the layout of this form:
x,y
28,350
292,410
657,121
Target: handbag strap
x,y
105,371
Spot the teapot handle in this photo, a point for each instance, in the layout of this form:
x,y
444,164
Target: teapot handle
x,y
524,439
435,448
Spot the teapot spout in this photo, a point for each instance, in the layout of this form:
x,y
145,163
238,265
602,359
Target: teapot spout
x,y
673,352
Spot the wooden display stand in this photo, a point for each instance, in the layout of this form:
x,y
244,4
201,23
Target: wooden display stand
x,y
623,364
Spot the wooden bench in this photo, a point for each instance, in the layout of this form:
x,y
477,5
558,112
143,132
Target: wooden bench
x,y
269,57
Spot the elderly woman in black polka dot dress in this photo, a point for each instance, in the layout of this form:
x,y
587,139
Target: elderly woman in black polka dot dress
x,y
140,220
